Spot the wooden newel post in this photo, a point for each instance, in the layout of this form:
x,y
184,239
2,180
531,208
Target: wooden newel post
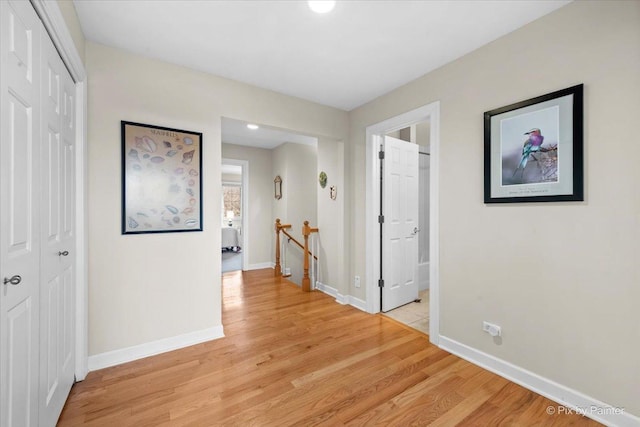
x,y
277,270
306,282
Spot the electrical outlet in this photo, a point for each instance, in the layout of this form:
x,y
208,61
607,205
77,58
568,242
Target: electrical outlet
x,y
492,329
356,281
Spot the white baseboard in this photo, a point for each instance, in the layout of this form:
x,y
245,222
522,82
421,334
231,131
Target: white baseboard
x,y
116,357
564,396
340,298
358,303
327,289
261,265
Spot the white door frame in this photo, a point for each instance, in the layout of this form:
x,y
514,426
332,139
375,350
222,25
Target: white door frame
x,y
374,139
54,23
244,164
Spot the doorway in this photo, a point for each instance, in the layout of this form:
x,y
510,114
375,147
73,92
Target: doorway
x,y
234,211
269,152
375,134
415,313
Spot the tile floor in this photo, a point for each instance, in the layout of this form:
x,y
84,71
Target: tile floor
x,y
415,315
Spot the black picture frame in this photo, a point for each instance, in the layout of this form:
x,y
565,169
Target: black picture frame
x,y
161,179
534,149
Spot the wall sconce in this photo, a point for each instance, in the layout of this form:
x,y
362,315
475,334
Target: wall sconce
x,y
230,217
278,187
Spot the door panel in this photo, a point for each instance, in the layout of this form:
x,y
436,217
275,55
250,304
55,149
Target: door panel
x,y
52,165
68,322
50,353
400,242
20,185
57,312
21,381
68,188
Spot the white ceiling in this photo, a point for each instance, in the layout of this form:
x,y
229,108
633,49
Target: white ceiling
x,y
361,50
236,132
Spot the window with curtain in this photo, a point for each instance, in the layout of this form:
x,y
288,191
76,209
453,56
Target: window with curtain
x,y
232,200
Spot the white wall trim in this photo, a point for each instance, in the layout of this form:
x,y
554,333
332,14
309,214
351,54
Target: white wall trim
x,y
82,237
331,291
49,13
340,298
358,303
372,179
244,164
54,23
116,357
261,265
559,393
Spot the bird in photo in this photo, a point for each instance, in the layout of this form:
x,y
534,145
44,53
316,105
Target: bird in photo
x,y
531,145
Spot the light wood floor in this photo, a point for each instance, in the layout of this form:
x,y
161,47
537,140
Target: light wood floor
x,y
293,358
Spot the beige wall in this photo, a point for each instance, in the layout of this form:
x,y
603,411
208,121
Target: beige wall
x,y
423,134
68,11
260,197
279,206
144,288
228,177
331,225
296,164
562,279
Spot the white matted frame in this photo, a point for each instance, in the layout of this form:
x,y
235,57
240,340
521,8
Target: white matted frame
x,y
374,139
49,13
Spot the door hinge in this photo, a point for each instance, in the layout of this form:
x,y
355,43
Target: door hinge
x,y
381,283
380,219
381,155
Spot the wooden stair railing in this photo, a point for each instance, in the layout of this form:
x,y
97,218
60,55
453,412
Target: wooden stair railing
x,y
306,231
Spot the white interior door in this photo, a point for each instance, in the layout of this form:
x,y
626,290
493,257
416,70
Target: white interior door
x,y
400,227
57,291
19,200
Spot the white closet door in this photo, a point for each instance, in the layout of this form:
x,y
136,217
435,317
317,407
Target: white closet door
x,y
20,224
57,236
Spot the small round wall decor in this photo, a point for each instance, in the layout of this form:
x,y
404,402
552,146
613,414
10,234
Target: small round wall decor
x,y
323,179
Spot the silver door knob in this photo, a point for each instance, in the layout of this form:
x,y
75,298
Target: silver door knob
x,y
65,253
415,230
15,280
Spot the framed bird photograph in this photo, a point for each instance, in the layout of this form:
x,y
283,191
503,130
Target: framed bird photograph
x,y
161,179
533,149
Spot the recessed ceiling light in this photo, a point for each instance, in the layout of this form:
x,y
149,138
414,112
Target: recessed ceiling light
x,y
322,6
252,126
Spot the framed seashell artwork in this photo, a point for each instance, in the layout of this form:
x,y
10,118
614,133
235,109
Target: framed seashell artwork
x,y
161,179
